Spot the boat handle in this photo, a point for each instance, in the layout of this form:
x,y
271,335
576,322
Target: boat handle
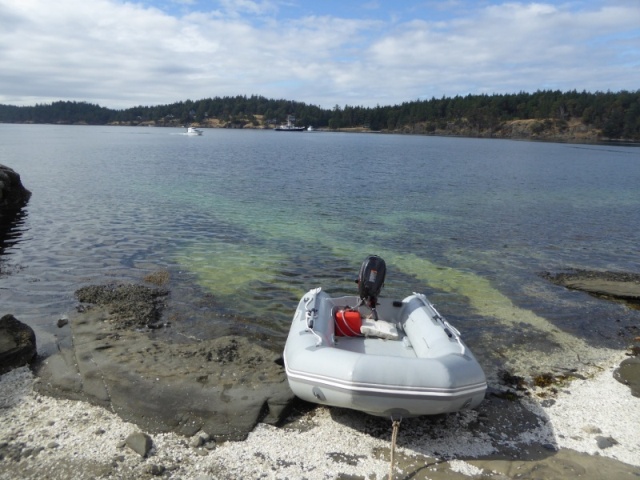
x,y
312,312
448,328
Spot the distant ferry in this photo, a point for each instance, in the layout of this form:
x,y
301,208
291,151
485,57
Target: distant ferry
x,y
290,126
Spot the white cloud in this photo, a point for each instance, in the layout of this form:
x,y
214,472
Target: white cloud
x,y
512,47
122,54
239,7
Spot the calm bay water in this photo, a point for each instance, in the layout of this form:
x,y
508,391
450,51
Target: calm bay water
x,y
247,221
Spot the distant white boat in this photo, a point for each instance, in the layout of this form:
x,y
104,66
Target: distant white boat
x,y
191,131
290,126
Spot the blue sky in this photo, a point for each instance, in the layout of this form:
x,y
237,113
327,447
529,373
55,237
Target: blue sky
x,y
121,54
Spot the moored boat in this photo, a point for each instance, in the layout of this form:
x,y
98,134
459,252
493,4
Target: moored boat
x,y
290,126
393,358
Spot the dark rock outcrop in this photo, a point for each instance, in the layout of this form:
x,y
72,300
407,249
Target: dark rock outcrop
x,y
621,286
222,386
17,344
13,195
128,305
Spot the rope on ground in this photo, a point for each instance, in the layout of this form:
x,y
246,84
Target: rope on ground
x,y
394,437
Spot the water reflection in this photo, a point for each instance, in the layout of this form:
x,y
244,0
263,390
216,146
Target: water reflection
x,y
12,228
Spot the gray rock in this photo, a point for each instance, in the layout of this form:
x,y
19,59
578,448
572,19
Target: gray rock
x,y
140,443
196,441
221,387
17,344
155,470
605,442
628,373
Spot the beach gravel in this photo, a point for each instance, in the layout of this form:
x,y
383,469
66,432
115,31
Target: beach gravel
x,y
589,427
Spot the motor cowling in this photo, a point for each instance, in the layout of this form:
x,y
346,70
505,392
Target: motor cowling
x,y
371,278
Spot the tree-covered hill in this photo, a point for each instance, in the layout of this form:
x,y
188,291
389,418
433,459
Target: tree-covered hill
x,y
543,114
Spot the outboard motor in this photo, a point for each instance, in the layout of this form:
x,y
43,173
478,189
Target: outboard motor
x,y
370,281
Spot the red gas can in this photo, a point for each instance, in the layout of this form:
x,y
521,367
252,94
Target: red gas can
x,y
348,323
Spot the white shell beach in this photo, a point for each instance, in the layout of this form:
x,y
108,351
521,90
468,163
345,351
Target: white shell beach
x,y
62,439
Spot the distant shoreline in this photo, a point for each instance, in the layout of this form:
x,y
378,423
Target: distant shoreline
x,y
525,130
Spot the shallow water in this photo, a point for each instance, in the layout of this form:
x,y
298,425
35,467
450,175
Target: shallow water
x,y
247,221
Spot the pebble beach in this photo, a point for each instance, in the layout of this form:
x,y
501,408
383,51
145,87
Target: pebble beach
x,y
589,427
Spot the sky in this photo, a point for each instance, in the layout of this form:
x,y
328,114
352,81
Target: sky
x,y
120,54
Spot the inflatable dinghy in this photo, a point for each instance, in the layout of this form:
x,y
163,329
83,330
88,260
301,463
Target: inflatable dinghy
x,y
379,356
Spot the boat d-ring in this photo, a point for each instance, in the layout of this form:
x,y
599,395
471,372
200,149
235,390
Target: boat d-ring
x,y
318,394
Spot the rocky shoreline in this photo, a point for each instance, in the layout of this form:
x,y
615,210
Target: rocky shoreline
x,y
155,397
115,356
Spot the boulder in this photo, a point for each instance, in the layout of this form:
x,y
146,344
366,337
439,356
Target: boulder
x,y
17,344
13,195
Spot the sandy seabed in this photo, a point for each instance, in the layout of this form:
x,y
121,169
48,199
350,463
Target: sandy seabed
x,y
43,437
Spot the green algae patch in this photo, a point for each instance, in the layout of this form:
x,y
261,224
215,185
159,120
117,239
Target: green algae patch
x,y
226,269
244,271
483,297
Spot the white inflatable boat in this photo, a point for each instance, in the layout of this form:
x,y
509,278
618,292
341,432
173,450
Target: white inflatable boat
x,y
409,362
